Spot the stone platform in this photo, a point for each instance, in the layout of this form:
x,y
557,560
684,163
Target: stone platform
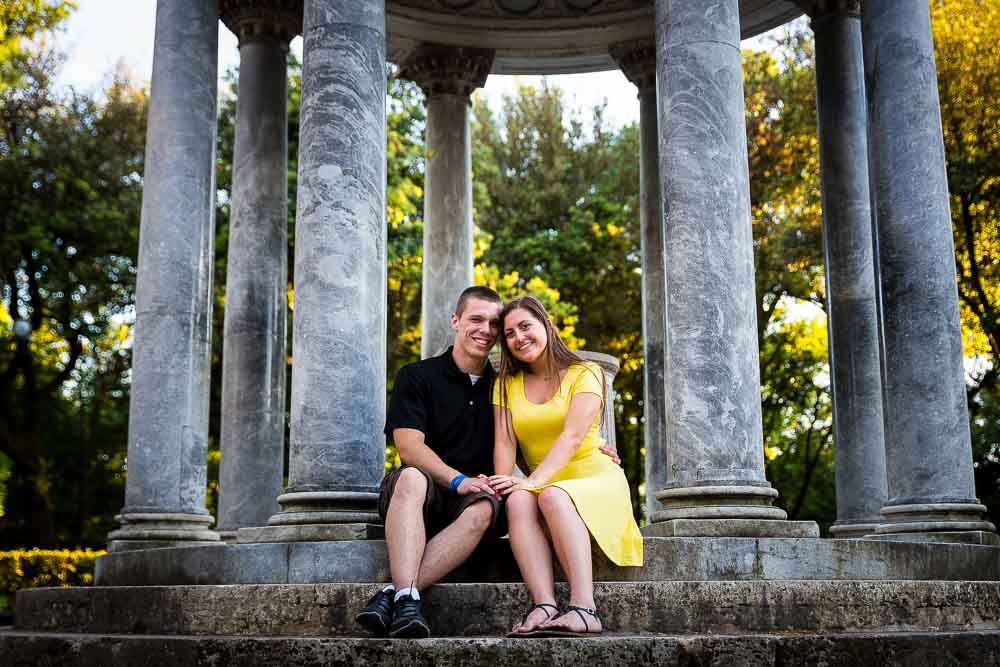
x,y
23,649
456,610
666,559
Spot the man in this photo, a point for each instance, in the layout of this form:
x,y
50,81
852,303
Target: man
x,y
438,506
441,419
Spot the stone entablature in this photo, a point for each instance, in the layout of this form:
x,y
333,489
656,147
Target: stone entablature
x,y
447,70
818,9
545,36
267,20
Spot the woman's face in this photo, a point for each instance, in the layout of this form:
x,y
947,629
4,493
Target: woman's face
x,y
525,335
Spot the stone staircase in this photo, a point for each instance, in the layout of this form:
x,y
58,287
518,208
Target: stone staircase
x,y
723,601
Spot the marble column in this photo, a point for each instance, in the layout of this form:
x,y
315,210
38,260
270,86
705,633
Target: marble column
x,y
714,444
637,61
337,450
928,447
447,76
168,411
254,347
852,315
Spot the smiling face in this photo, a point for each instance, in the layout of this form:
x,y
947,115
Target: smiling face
x,y
476,328
524,335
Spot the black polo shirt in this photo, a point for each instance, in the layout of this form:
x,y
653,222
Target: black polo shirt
x,y
436,397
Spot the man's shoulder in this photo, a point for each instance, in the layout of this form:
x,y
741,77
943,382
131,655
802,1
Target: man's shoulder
x,y
424,367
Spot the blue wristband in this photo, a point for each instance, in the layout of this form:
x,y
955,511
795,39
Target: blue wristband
x,y
457,480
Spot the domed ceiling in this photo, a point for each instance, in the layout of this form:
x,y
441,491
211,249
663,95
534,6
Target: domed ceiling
x,y
545,36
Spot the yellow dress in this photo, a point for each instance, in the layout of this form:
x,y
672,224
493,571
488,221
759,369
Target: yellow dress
x,y
595,483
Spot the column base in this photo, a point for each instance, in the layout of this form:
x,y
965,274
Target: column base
x,y
718,502
731,528
917,518
155,530
311,532
849,530
981,537
326,507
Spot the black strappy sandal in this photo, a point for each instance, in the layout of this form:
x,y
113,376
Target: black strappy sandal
x,y
544,606
580,611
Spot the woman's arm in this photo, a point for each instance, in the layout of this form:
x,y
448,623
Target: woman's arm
x,y
583,410
504,446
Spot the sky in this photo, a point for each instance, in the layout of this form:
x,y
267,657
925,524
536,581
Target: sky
x,y
102,34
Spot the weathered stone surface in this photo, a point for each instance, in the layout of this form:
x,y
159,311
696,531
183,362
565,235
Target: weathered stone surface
x,y
638,62
959,536
890,649
448,76
731,528
337,448
666,559
928,447
311,532
254,355
859,444
489,609
712,384
168,413
447,258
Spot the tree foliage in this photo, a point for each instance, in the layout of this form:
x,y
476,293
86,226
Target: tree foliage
x,y
968,71
70,173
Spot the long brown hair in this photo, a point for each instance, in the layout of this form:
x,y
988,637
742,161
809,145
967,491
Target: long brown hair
x,y
556,355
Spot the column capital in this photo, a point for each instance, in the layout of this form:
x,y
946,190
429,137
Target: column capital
x,y
448,70
822,9
637,61
262,20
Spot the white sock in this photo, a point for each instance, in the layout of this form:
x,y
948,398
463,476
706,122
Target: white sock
x,y
409,590
389,589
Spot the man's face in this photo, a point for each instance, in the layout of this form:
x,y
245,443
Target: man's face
x,y
477,327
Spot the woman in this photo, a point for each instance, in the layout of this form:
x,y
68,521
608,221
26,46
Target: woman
x,y
549,401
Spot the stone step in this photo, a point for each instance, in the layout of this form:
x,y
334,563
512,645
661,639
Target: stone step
x,y
19,649
456,610
666,558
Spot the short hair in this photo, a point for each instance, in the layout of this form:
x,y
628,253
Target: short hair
x,y
476,292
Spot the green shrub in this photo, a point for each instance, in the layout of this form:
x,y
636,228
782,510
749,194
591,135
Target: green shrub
x,y
35,568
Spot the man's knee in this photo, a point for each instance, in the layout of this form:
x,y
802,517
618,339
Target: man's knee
x,y
553,499
411,486
478,515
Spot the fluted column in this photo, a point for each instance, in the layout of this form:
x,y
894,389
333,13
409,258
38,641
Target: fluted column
x,y
715,455
168,410
928,447
254,346
850,268
337,450
447,76
637,61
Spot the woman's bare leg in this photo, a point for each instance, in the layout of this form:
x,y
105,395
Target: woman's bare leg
x,y
571,540
532,553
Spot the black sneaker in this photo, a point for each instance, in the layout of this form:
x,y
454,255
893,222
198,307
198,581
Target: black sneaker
x,y
407,621
377,614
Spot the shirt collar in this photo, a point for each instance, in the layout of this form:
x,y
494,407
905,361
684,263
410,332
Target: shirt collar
x,y
453,368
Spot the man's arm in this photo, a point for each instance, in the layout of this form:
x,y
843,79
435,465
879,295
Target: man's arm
x,y
415,452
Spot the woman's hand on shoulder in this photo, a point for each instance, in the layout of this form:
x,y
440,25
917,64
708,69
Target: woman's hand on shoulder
x,y
610,453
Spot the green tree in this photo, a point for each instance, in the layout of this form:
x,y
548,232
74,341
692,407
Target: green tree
x,y
21,22
968,75
70,169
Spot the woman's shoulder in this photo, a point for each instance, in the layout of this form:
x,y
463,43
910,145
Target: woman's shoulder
x,y
579,367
